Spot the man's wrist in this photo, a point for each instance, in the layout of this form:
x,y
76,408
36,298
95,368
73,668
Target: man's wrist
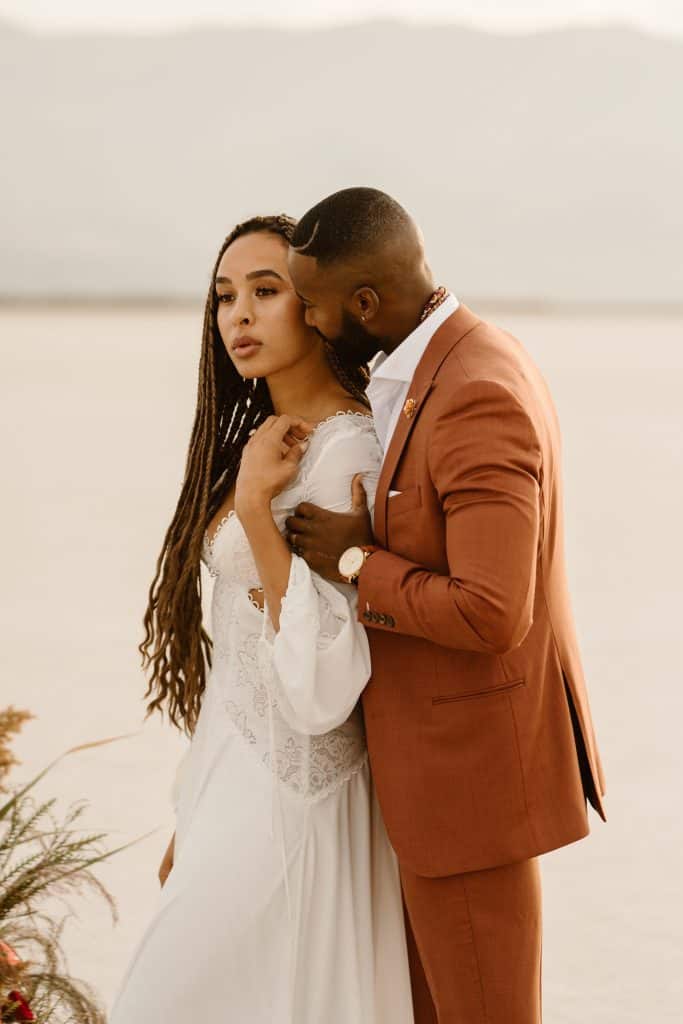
x,y
353,559
368,549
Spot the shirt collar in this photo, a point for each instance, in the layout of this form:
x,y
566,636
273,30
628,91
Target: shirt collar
x,y
402,362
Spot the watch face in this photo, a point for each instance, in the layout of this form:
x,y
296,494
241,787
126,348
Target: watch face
x,y
351,561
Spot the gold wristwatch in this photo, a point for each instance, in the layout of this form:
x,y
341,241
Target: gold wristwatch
x,y
353,559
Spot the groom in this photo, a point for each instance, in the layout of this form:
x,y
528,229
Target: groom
x,y
478,725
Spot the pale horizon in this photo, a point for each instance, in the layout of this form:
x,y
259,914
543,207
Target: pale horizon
x,y
580,121
153,16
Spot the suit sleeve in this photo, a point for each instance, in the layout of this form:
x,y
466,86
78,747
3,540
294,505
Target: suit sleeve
x,y
485,463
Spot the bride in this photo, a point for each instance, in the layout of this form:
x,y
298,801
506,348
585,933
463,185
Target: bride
x,y
280,899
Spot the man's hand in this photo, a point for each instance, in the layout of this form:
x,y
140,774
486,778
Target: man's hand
x,y
320,536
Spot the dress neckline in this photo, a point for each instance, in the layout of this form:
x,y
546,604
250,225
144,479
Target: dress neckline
x,y
343,412
210,541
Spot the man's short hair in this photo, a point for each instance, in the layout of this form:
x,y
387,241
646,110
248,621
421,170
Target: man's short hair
x,y
348,224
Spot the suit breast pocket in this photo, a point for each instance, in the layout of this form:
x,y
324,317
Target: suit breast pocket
x,y
405,501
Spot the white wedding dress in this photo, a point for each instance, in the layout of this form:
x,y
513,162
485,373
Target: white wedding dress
x,y
284,902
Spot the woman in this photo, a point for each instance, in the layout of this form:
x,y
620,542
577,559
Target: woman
x,y
283,902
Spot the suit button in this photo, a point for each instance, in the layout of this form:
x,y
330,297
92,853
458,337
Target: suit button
x,y
375,617
383,619
391,621
367,616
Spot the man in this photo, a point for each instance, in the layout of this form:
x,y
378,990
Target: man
x,y
478,725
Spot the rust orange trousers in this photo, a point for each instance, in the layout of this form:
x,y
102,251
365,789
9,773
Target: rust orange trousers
x,y
474,944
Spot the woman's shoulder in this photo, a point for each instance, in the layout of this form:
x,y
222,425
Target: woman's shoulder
x,y
352,414
344,423
342,439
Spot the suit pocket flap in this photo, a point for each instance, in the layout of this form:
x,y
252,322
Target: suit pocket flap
x,y
489,691
404,501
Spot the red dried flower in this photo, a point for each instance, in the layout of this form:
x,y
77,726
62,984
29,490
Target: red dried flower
x,y
21,1012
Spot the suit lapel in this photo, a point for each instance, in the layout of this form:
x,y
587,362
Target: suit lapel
x,y
444,339
401,434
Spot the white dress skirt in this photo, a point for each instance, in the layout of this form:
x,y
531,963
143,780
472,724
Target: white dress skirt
x,y
284,902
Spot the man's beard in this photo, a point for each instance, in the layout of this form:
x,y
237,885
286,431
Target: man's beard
x,y
355,345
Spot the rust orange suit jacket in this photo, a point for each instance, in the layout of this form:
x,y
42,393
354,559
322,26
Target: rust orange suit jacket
x,y
478,723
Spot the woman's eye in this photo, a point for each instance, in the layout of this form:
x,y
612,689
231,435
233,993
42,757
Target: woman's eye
x,y
261,290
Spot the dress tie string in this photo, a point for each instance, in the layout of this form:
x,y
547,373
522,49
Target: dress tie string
x,y
277,818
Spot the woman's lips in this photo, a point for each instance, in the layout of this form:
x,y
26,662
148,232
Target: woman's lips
x,y
243,349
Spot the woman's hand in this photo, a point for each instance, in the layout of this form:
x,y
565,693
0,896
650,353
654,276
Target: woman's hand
x,y
167,861
270,460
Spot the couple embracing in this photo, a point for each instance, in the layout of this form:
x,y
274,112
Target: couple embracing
x,y
389,721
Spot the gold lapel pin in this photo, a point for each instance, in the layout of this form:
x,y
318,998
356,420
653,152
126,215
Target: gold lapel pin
x,y
410,407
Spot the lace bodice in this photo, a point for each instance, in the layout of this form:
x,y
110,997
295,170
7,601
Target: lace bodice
x,y
293,695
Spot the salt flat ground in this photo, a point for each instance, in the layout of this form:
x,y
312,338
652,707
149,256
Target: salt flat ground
x,y
96,411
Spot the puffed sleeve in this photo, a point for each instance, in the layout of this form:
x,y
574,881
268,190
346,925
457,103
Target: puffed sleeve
x,y
319,660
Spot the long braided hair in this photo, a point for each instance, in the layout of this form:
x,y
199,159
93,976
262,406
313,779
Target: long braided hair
x,y
176,645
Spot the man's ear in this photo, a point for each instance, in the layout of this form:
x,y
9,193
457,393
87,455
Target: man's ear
x,y
364,303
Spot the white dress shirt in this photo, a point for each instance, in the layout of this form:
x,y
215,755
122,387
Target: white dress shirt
x,y
391,375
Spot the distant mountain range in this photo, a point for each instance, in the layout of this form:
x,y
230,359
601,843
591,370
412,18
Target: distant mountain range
x,y
544,168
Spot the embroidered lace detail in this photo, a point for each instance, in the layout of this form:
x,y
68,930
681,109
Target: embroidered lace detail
x,y
333,759
211,541
239,718
235,554
326,609
343,412
310,766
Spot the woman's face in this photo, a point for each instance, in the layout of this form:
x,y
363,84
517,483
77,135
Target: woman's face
x,y
260,318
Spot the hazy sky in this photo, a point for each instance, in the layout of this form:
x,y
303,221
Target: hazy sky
x,y
67,15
